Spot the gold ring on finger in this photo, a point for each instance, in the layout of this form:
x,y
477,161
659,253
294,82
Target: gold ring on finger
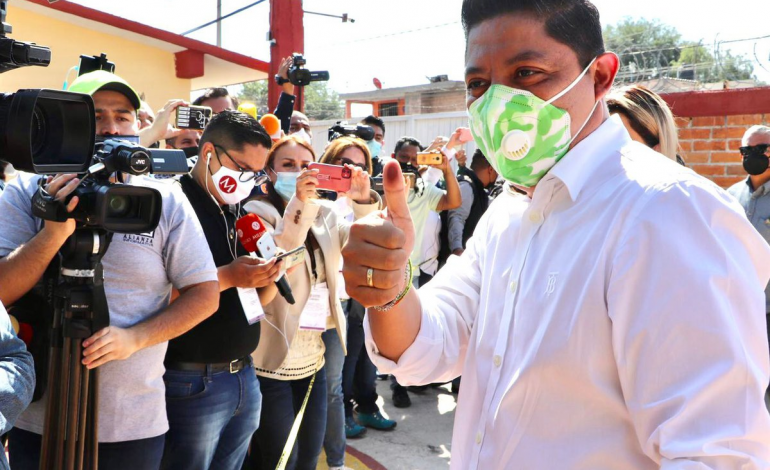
x,y
370,277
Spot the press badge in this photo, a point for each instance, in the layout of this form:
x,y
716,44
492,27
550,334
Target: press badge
x,y
252,307
316,309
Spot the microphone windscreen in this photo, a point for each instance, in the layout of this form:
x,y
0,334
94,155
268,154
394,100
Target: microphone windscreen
x,y
250,229
271,123
249,109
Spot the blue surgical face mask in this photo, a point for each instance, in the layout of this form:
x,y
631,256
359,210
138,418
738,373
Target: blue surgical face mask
x,y
286,184
374,148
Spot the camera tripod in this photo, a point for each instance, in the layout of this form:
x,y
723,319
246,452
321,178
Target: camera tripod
x,y
70,435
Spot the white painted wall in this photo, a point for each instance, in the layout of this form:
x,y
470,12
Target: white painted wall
x,y
423,127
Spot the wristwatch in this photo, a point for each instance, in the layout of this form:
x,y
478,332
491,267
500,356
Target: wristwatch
x,y
280,80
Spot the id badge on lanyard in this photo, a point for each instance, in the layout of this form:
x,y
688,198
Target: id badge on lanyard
x,y
316,310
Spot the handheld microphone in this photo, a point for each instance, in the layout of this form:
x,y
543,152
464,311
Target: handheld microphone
x,y
272,126
254,238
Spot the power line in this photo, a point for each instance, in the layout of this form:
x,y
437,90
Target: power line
x,y
222,18
398,33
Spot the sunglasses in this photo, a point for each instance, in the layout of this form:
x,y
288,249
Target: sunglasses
x,y
760,149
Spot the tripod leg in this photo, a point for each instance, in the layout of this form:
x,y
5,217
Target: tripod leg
x,y
73,403
61,419
93,423
52,409
85,429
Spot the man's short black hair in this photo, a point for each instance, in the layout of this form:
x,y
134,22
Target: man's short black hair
x,y
404,141
373,120
479,161
574,23
214,93
232,130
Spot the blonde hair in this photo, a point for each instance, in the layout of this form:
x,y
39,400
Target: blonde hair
x,y
648,115
284,142
337,146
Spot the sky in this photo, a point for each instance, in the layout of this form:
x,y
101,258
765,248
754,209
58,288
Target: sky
x,y
401,42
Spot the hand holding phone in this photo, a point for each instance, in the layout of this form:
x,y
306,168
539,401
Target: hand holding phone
x,y
430,158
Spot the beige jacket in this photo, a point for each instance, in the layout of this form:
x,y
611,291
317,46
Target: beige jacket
x,y
289,233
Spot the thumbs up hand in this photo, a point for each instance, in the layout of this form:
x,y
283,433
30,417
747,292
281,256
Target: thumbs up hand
x,y
383,243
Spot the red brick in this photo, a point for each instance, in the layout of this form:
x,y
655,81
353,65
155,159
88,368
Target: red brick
x,y
729,133
744,120
695,134
696,157
726,157
685,145
709,170
700,145
726,181
735,169
734,145
682,122
708,121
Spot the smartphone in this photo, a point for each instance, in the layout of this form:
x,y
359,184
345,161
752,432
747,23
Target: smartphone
x,y
266,246
93,63
292,258
430,158
465,135
193,117
333,177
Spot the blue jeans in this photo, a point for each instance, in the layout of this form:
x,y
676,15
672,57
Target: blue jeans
x,y
212,417
359,374
143,454
334,441
282,400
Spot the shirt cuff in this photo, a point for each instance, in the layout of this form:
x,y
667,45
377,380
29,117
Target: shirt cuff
x,y
417,362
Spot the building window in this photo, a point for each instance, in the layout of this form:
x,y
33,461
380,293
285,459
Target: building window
x,y
388,109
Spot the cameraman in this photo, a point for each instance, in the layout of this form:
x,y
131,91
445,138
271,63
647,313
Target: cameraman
x,y
212,393
375,145
139,274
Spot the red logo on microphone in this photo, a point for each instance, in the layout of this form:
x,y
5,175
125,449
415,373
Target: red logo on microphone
x,y
228,184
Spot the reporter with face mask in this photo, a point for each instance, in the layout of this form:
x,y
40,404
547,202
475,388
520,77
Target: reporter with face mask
x,y
212,395
290,355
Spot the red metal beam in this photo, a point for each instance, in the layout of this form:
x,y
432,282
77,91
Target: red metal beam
x,y
720,102
144,30
288,33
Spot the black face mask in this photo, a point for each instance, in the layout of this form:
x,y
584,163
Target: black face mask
x,y
409,168
755,160
190,152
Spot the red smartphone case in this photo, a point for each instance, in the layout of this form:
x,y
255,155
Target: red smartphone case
x,y
332,177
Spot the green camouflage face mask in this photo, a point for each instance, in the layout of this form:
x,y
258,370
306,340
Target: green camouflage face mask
x,y
521,135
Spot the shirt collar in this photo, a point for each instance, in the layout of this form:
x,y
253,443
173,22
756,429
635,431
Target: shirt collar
x,y
760,191
577,168
199,195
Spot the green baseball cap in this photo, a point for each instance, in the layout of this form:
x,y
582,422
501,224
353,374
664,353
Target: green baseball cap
x,y
90,83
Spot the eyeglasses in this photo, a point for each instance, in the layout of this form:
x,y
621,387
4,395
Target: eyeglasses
x,y
259,177
760,149
347,161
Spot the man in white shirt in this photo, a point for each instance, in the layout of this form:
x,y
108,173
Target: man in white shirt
x,y
612,318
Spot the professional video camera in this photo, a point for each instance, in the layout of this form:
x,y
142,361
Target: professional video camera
x,y
116,207
300,76
343,129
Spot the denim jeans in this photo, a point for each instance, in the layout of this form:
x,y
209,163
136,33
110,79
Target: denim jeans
x,y
212,417
334,441
281,401
359,374
143,454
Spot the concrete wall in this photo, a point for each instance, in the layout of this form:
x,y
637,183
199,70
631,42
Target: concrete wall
x,y
148,69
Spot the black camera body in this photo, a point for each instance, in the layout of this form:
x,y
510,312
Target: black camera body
x,y
112,206
300,76
343,129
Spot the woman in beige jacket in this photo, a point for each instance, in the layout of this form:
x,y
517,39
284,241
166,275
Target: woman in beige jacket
x,y
291,351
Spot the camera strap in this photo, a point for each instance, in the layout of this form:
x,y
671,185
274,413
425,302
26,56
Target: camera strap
x,y
46,206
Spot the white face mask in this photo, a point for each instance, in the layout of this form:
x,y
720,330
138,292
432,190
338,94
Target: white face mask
x,y
302,134
229,186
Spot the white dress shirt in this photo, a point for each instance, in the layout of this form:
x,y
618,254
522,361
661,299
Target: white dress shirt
x,y
616,320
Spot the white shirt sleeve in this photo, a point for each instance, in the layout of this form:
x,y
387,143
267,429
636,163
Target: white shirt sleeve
x,y
450,304
693,363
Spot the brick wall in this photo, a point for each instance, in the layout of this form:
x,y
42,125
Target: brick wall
x,y
711,125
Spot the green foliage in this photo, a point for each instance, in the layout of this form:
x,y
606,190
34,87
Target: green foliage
x,y
652,49
321,102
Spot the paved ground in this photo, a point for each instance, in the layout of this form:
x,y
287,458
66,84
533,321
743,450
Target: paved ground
x,y
422,439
